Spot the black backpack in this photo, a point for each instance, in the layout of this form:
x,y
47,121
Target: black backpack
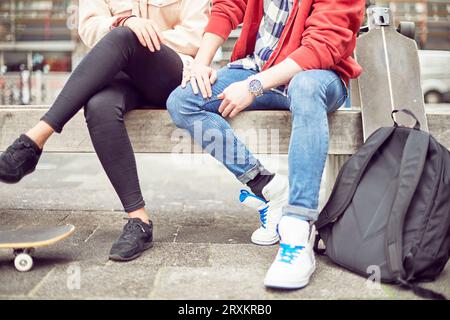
x,y
390,207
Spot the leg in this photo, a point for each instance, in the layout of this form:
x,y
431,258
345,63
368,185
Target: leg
x,y
313,94
200,117
118,51
154,75
104,114
209,129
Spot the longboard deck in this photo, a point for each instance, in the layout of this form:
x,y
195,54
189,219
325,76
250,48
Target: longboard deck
x,y
390,79
34,237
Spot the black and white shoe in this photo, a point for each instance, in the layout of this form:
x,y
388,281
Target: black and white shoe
x,y
137,236
19,160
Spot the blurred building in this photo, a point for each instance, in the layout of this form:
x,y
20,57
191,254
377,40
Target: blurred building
x,y
432,19
39,45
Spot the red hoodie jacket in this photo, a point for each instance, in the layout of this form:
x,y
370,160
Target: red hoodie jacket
x,y
319,34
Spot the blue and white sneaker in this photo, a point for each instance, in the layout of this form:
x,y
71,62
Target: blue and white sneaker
x,y
295,262
270,212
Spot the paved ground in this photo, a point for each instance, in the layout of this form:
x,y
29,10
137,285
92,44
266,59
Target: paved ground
x,y
202,248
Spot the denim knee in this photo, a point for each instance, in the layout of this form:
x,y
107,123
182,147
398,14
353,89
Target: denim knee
x,y
180,106
307,84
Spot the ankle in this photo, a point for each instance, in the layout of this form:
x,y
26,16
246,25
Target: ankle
x,y
40,133
295,219
141,214
259,182
294,229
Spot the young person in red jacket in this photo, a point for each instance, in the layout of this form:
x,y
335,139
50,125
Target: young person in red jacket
x,y
293,55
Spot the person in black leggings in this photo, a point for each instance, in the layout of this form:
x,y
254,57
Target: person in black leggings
x,y
118,75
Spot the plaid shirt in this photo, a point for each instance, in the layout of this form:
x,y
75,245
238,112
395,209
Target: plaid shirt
x,y
276,13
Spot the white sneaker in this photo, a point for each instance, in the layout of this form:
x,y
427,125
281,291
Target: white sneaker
x,y
295,262
270,212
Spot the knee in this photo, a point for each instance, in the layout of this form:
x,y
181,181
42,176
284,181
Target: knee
x,y
307,92
122,35
306,84
101,109
179,106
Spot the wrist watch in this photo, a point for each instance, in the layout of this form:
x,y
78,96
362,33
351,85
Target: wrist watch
x,y
255,87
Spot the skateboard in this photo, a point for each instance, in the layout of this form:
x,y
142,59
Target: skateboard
x,y
24,241
391,72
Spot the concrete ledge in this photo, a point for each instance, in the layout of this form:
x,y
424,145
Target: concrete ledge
x,y
152,131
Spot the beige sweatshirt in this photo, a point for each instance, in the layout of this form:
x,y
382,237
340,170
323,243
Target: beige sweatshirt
x,y
182,21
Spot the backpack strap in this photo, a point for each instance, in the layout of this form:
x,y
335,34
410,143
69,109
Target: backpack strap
x,y
349,177
411,168
418,290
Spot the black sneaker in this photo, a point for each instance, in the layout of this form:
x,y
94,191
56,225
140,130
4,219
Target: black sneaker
x,y
136,237
19,160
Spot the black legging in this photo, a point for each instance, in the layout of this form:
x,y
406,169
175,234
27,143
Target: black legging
x,y
116,76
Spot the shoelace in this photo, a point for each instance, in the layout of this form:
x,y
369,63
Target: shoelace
x,y
289,253
17,146
129,230
262,212
263,216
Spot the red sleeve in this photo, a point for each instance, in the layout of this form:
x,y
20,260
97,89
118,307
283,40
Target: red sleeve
x,y
226,15
330,33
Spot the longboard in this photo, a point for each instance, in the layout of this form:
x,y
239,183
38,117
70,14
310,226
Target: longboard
x,y
24,241
391,74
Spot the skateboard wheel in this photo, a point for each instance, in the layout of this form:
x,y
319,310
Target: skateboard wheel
x,y
408,29
23,262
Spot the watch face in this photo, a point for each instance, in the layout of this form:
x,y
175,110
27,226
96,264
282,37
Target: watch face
x,y
255,86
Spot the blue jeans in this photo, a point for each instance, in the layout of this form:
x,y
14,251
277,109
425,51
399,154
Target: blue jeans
x,y
311,95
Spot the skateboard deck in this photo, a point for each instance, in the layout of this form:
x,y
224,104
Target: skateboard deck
x,y
391,75
23,242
